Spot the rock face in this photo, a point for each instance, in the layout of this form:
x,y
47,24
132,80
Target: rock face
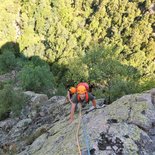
x,y
125,127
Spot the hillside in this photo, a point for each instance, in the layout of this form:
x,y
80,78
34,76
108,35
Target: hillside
x,y
47,46
124,127
72,36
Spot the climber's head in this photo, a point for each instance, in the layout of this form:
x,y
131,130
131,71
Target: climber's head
x,y
72,90
81,90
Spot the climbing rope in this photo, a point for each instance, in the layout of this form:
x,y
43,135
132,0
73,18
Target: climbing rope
x,y
85,134
77,133
84,131
86,138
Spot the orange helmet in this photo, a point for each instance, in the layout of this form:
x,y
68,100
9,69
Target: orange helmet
x,y
81,89
72,90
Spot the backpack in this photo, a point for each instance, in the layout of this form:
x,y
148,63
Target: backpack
x,y
84,84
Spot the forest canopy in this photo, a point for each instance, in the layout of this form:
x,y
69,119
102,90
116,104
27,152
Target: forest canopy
x,y
98,40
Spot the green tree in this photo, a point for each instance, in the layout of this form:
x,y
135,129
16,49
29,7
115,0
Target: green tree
x,y
62,32
8,19
108,71
7,62
36,78
11,101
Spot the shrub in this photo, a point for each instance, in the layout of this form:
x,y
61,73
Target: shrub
x,y
11,100
37,61
61,91
36,78
118,79
7,62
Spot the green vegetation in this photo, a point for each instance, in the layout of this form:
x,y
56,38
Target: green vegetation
x,y
116,78
108,42
11,100
36,78
7,62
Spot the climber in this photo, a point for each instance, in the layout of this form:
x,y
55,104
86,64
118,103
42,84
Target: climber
x,y
72,90
83,97
70,93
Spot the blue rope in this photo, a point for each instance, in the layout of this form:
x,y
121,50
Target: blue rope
x,y
86,137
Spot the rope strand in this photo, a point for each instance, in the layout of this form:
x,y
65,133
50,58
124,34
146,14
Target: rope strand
x,y
87,141
77,133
